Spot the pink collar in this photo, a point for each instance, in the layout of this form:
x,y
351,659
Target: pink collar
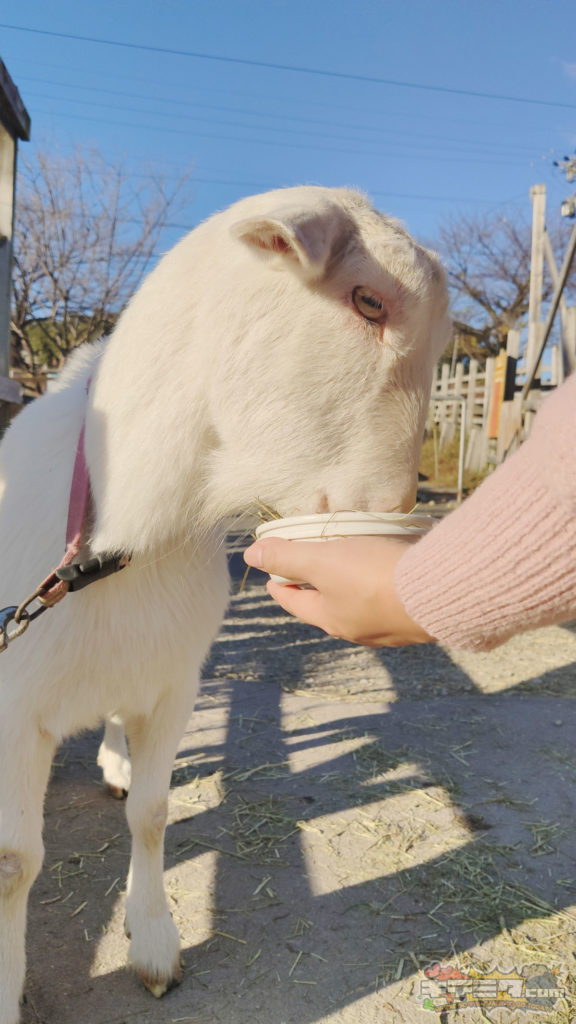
x,y
69,575
78,503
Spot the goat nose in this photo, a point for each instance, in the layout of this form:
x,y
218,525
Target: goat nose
x,y
322,503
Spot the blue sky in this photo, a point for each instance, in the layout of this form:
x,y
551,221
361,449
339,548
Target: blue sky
x,y
422,154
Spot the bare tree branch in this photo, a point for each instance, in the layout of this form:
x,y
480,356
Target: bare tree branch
x,y
85,236
488,264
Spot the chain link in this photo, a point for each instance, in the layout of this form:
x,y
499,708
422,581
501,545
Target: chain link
x,y
8,615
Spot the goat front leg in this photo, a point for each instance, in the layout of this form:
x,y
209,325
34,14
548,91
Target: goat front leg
x,y
25,757
155,943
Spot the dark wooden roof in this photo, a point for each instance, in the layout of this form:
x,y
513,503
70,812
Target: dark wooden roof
x,y
13,113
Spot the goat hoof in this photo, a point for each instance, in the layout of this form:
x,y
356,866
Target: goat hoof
x,y
159,986
118,792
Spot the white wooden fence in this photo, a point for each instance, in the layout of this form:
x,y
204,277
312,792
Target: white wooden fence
x,y
475,385
484,443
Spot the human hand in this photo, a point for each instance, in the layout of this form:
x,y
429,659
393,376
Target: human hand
x,y
353,579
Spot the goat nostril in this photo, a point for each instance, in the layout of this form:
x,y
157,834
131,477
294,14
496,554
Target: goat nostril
x,y
322,504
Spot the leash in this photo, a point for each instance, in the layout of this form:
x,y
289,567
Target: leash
x,y
69,576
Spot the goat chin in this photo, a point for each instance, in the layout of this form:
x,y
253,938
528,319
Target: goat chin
x,y
281,353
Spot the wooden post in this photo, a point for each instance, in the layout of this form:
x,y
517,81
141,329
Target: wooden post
x,y
445,434
7,182
488,388
509,410
488,382
471,393
459,381
14,125
455,407
497,394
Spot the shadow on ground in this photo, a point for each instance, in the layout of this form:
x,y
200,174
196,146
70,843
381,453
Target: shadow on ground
x,y
320,851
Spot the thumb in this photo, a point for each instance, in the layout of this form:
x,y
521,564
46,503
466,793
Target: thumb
x,y
286,558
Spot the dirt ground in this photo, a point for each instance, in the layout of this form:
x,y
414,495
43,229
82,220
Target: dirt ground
x,y
340,819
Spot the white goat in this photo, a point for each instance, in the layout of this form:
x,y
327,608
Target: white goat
x,y
282,352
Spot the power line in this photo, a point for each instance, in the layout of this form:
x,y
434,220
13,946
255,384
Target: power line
x,y
375,131
446,144
347,76
275,143
311,102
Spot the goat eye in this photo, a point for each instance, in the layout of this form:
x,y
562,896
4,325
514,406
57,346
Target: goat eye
x,y
369,304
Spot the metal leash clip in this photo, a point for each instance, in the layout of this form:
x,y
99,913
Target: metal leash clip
x,y
8,615
64,580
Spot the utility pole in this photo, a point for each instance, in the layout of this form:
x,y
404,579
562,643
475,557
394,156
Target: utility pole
x,y
538,332
568,209
518,414
538,197
568,167
554,303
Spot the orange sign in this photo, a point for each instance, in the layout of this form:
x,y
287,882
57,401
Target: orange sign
x,y
497,393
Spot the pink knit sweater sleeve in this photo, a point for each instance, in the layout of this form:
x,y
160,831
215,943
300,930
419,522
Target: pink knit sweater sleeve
x,y
505,561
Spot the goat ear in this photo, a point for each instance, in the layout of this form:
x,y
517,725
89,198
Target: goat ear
x,y
308,238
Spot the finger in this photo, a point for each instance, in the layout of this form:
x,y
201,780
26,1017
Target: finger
x,y
306,605
293,560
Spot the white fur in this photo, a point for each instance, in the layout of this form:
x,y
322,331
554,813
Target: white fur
x,y
240,371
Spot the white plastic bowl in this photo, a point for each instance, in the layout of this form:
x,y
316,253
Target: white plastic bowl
x,y
334,525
